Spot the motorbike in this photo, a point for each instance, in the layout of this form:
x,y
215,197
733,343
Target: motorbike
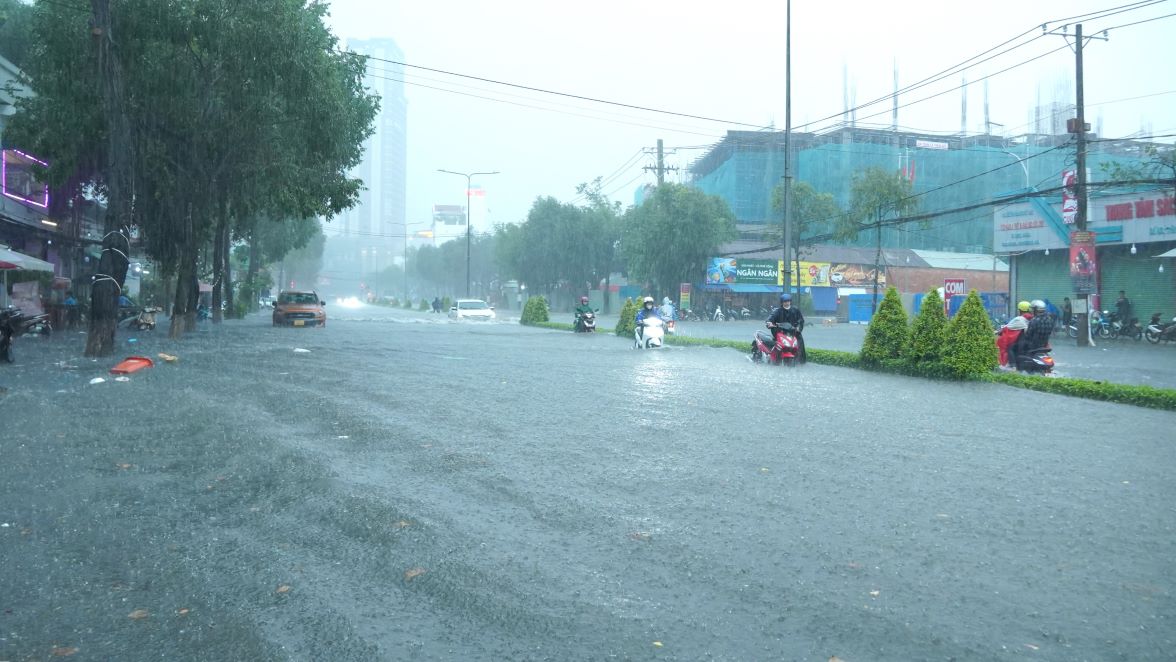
x,y
1130,329
650,334
1157,332
690,316
1038,361
732,314
780,348
144,320
745,313
14,323
585,323
718,316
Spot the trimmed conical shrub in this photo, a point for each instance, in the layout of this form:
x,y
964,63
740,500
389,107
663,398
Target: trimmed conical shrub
x,y
886,338
535,310
928,331
969,348
628,313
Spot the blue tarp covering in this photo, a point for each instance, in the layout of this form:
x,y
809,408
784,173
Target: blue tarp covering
x,y
824,299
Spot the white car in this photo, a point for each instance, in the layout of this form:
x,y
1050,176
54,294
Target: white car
x,y
471,309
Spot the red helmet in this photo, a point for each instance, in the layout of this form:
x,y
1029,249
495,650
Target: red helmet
x,y
583,299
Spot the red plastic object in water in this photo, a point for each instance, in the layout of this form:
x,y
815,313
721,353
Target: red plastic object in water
x,y
131,364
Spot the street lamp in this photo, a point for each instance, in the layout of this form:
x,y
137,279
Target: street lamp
x,y
404,265
468,176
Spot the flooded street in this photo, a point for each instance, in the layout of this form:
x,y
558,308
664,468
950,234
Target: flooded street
x,y
412,488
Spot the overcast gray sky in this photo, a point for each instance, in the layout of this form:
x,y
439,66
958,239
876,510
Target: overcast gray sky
x,y
726,61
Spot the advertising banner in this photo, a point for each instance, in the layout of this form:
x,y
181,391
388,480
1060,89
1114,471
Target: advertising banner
x,y
760,272
720,270
813,274
1069,196
1083,262
854,275
684,296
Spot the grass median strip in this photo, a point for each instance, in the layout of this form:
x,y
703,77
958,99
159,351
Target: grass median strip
x,y
1140,396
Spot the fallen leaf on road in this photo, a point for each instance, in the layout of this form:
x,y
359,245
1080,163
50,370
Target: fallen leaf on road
x,y
835,659
169,357
403,524
1032,647
658,644
874,594
138,614
413,572
640,535
284,588
124,465
183,611
63,651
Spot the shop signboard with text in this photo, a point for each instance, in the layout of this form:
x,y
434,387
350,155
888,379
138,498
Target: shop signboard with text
x,y
1134,218
730,270
1083,263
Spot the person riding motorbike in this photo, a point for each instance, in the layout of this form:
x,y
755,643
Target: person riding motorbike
x,y
1036,335
647,310
581,310
786,313
1011,332
667,310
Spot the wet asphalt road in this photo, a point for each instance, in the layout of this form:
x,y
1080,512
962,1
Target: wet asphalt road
x,y
415,489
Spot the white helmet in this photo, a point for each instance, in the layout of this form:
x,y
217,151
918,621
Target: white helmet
x,y
1037,304
647,300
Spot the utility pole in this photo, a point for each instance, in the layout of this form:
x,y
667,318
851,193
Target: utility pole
x,y
1079,127
660,168
877,257
786,272
469,176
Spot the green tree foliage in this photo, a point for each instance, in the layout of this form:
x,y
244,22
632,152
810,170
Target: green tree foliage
x,y
236,111
928,331
424,305
886,337
969,347
813,213
626,324
1159,162
875,192
16,38
668,239
535,310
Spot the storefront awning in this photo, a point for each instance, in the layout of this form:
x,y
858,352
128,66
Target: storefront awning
x,y
1171,253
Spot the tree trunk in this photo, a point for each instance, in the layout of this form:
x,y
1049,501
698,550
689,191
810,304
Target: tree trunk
x,y
251,275
112,266
218,265
180,303
193,293
227,267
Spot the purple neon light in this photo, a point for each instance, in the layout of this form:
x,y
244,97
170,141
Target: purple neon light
x,y
4,178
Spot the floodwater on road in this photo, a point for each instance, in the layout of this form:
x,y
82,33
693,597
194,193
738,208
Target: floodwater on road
x,y
413,488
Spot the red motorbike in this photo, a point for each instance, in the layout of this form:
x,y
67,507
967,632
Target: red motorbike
x,y
780,348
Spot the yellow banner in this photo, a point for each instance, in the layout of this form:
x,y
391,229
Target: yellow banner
x,y
813,274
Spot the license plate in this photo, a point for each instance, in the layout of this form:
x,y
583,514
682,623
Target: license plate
x,y
299,322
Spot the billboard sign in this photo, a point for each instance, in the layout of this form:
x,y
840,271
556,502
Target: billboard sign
x,y
761,272
1069,196
684,296
813,274
953,287
854,275
1083,262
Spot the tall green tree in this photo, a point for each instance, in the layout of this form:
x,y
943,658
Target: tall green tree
x,y
813,213
668,239
16,34
874,195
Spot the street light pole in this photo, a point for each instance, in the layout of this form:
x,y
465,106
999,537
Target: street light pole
x,y
469,176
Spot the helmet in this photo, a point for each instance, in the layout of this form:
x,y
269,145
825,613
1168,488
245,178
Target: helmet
x,y
785,297
1037,304
647,302
583,299
665,301
1023,306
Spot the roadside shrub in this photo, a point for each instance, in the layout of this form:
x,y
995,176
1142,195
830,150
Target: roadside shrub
x,y
628,313
927,331
446,304
886,337
969,347
408,303
424,307
535,311
393,301
1140,396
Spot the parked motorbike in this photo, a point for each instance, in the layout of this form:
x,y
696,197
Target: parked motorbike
x,y
9,325
691,316
650,334
38,324
745,313
585,323
718,315
1128,329
1157,332
1036,361
780,348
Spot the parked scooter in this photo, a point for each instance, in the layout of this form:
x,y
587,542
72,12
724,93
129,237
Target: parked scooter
x,y
718,316
780,348
1130,329
1036,361
585,323
9,325
1160,332
650,334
